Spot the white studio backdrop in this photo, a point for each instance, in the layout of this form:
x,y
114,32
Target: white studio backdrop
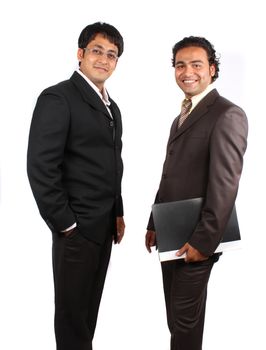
x,y
38,49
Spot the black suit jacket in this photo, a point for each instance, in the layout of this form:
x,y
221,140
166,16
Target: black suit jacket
x,y
204,158
74,158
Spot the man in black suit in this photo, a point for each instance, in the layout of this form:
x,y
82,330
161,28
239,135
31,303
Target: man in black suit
x,y
204,158
75,170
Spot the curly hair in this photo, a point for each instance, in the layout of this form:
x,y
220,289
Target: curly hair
x,y
204,44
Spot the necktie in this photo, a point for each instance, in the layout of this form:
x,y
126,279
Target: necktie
x,y
186,106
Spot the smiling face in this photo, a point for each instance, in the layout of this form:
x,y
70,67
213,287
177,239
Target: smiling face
x,y
97,60
193,72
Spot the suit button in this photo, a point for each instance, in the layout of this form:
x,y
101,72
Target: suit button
x,y
164,176
170,152
111,124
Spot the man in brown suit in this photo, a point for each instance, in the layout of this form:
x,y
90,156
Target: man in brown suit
x,y
204,158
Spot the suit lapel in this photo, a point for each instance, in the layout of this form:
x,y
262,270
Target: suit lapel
x,y
197,113
88,94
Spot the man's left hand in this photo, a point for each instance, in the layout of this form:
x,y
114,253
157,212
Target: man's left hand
x,y
120,227
191,254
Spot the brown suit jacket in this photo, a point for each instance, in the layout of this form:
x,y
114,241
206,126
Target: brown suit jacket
x,y
204,158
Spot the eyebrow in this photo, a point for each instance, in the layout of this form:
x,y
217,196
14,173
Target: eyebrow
x,y
194,61
101,47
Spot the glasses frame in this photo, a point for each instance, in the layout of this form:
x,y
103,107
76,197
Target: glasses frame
x,y
98,52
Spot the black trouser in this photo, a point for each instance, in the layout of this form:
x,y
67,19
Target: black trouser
x,y
185,290
79,267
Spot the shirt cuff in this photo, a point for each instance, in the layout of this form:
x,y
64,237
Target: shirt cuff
x,y
70,228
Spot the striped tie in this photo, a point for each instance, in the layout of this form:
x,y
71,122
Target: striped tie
x,y
186,106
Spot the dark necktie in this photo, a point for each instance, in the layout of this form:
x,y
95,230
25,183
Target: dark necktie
x,y
186,106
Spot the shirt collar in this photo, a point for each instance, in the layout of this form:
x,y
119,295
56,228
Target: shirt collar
x,y
197,98
104,95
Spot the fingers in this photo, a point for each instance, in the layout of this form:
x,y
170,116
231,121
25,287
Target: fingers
x,y
120,226
182,250
120,236
191,254
69,232
148,246
150,240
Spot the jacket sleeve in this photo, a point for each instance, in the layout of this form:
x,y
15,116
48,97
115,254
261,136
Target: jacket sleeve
x,y
227,147
150,225
119,209
47,139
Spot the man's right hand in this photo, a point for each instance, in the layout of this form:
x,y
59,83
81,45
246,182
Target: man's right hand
x,y
68,232
150,240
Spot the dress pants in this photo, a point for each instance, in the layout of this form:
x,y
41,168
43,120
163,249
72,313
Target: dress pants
x,y
185,290
79,267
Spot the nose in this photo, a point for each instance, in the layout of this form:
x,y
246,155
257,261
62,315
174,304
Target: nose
x,y
103,58
188,70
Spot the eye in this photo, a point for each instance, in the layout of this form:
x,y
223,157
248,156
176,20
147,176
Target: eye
x,y
111,56
96,51
179,66
197,65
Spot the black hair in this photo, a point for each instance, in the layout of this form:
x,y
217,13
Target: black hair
x,y
204,44
108,31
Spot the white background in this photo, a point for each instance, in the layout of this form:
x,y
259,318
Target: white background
x,y
38,49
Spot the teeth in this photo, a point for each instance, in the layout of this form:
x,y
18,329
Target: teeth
x,y
188,81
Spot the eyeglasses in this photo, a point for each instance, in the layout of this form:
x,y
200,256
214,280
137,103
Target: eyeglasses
x,y
95,51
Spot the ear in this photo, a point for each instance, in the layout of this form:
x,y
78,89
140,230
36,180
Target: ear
x,y
212,70
80,54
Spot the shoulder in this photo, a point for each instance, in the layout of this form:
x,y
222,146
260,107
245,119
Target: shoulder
x,y
60,88
220,106
56,98
64,92
230,116
226,103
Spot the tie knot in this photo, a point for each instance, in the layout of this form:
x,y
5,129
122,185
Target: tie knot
x,y
186,104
